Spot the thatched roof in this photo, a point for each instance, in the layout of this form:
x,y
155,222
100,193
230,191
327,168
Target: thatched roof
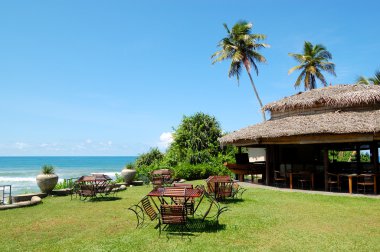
x,y
338,96
331,123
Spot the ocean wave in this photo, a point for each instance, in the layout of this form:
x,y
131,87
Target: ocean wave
x,y
17,179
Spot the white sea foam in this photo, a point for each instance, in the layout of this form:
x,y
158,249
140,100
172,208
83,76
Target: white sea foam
x,y
17,179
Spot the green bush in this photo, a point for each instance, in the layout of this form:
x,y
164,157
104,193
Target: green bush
x,y
118,178
152,157
66,183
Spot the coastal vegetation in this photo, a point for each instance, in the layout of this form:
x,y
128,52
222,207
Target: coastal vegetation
x,y
195,152
375,80
264,220
241,47
313,61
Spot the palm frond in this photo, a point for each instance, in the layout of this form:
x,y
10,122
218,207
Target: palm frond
x,y
226,27
362,80
299,79
313,60
291,70
321,77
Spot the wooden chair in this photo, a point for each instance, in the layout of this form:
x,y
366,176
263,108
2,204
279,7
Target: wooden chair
x,y
237,190
279,180
183,185
304,181
173,215
333,182
144,207
190,202
86,191
366,181
224,190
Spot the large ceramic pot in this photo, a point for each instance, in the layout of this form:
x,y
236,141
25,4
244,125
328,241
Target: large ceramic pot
x,y
47,182
128,175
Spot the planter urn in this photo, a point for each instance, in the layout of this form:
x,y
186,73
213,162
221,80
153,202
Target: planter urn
x,y
47,182
128,175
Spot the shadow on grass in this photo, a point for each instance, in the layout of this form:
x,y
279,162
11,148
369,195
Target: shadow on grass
x,y
193,226
112,198
231,201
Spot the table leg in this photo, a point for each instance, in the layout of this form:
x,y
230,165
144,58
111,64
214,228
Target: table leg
x,y
374,184
291,181
350,184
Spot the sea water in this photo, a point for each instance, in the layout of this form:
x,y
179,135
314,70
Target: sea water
x,y
21,172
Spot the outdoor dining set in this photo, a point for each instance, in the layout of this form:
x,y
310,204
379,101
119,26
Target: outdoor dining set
x,y
93,186
178,203
365,182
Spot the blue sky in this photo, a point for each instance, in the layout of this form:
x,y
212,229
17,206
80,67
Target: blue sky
x,y
112,77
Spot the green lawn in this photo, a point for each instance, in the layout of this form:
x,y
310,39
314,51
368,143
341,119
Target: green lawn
x,y
264,220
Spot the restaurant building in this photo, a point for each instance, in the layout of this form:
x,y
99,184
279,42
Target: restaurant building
x,y
309,132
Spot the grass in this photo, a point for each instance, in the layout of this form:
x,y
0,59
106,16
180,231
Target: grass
x,y
264,220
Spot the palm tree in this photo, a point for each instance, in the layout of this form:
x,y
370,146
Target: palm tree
x,y
375,80
313,60
240,46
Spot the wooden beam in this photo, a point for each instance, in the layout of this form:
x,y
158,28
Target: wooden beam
x,y
326,165
375,156
309,139
267,163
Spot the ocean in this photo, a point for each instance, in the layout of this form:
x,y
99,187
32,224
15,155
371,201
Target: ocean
x,y
21,172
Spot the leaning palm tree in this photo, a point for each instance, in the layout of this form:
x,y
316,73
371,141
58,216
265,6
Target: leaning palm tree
x,y
241,46
313,61
375,80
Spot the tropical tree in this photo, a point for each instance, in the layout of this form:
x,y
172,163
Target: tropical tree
x,y
196,139
241,47
375,80
313,61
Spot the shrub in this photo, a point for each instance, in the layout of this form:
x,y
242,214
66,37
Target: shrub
x,y
66,183
153,156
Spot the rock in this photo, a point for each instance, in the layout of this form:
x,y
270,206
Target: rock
x,y
122,187
35,200
182,181
138,182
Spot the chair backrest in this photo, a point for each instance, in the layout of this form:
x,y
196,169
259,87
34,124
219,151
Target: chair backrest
x,y
157,180
225,189
87,190
148,208
173,214
277,174
366,177
332,177
183,185
175,191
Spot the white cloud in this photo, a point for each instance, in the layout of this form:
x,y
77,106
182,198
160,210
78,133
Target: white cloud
x,y
166,138
21,145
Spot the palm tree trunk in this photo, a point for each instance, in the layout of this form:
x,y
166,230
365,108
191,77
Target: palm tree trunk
x,y
257,95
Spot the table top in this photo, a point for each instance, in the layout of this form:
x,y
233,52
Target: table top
x,y
165,192
94,178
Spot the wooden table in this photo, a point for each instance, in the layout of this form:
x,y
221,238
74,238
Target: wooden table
x,y
97,182
186,193
350,176
290,174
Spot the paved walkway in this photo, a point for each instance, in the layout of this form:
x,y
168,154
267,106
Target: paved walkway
x,y
249,184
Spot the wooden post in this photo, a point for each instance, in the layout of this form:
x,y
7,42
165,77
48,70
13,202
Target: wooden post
x,y
375,156
267,163
375,162
326,165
